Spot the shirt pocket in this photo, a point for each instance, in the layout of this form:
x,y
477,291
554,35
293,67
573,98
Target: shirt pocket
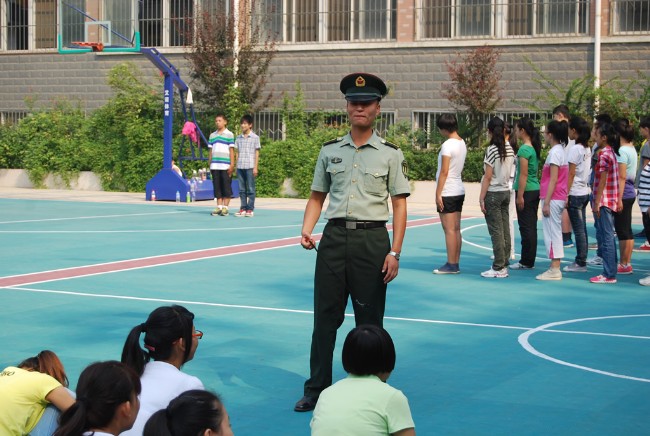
x,y
375,181
337,174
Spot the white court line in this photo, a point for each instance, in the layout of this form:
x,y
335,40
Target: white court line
x,y
91,217
277,309
219,229
525,343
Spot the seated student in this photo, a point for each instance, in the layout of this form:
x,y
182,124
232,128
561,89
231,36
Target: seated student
x,y
170,340
26,390
107,401
191,413
363,403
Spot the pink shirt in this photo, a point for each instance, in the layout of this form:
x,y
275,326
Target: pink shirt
x,y
557,157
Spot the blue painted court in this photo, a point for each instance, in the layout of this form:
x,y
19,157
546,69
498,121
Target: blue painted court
x,y
475,356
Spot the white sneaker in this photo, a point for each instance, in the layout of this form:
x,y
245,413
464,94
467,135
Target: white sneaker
x,y
574,267
519,265
550,274
645,281
498,274
596,260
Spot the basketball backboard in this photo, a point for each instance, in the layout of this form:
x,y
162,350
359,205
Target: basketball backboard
x,y
99,25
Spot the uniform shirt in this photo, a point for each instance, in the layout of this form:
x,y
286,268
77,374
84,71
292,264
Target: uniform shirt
x,y
607,162
22,399
580,156
161,383
246,147
456,150
557,157
359,180
361,405
627,155
644,188
501,169
532,181
220,144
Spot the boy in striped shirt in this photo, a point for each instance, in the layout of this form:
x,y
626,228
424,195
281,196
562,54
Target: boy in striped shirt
x,y
222,163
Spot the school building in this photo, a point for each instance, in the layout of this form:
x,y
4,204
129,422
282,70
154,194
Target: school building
x,y
406,42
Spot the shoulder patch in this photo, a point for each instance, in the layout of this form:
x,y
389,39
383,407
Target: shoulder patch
x,y
333,141
390,144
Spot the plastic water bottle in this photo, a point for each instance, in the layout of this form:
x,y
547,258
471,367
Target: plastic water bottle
x,y
178,197
193,190
187,197
153,195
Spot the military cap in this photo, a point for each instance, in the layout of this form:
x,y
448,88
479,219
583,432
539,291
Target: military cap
x,y
363,87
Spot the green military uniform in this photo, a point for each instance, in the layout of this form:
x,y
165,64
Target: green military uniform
x,y
355,241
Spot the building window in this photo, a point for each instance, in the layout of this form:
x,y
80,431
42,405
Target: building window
x,y
630,16
446,19
28,24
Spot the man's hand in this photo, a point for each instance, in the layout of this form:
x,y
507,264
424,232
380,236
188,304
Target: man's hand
x,y
390,268
307,242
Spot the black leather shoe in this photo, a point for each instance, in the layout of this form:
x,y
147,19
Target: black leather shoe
x,y
305,404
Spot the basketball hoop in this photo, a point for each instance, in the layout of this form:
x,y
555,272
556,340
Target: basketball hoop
x,y
95,46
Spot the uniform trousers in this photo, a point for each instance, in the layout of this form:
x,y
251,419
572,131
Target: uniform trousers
x,y
348,263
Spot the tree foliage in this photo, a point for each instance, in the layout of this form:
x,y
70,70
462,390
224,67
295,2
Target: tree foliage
x,y
474,86
220,62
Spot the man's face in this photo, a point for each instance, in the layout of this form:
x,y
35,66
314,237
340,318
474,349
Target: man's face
x,y
363,113
220,122
559,117
645,132
245,127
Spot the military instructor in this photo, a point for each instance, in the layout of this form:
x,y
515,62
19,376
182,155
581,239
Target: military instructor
x,y
355,256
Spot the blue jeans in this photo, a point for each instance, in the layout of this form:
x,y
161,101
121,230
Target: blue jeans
x,y
607,242
577,214
246,188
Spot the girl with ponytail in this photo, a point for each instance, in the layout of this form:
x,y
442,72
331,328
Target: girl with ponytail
x,y
170,340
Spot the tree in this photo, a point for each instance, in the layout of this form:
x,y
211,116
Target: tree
x,y
474,86
229,67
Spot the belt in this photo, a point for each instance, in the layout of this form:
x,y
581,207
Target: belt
x,y
356,225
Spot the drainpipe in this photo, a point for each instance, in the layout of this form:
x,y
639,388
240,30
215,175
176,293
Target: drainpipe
x,y
597,39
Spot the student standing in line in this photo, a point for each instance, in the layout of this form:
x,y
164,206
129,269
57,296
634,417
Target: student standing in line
x,y
450,192
598,121
644,204
561,113
495,196
527,190
627,162
579,158
605,203
553,193
644,129
247,152
222,163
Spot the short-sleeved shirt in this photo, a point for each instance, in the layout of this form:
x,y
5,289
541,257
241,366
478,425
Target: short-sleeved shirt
x,y
501,168
456,150
580,156
220,144
644,188
22,399
361,405
246,147
627,155
607,162
532,182
643,154
360,179
557,157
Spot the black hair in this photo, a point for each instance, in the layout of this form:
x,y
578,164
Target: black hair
x,y
645,122
497,128
625,129
510,134
102,388
528,126
447,122
163,327
248,118
189,414
601,119
612,135
563,110
368,350
222,115
559,130
581,126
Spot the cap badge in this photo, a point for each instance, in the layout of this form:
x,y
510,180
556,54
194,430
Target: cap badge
x,y
360,82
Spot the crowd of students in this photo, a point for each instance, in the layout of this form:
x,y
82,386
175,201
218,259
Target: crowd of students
x,y
596,165
147,393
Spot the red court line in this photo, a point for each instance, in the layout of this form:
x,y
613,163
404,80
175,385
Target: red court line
x,y
166,259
